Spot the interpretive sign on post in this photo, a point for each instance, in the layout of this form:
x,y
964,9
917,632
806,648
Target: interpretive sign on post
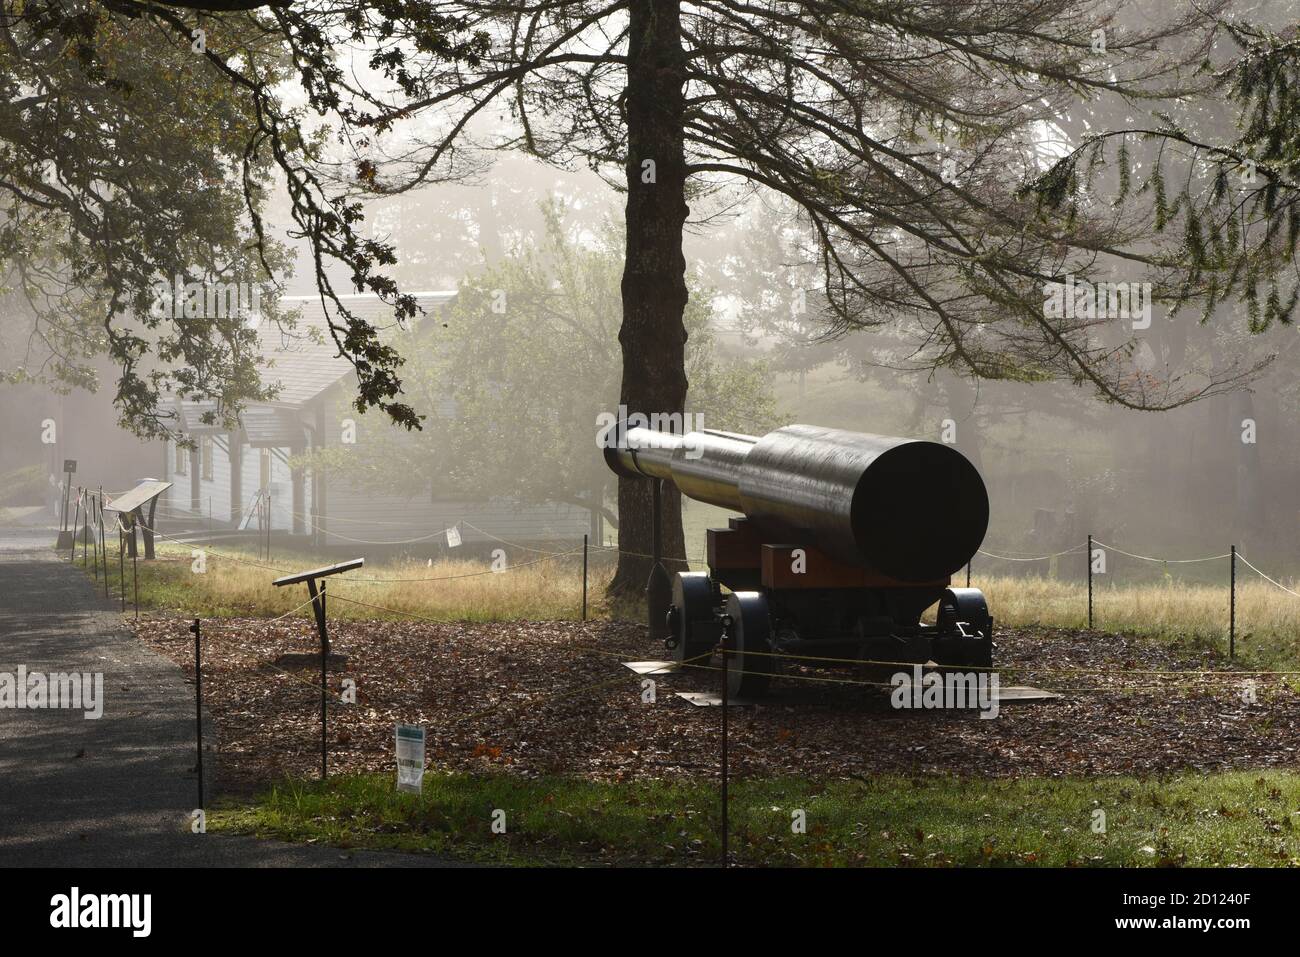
x,y
410,758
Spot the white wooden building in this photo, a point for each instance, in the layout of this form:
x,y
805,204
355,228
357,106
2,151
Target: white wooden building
x,y
223,476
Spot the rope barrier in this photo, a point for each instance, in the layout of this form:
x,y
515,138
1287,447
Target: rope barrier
x,y
303,681
503,541
366,541
1036,558
1129,687
393,611
213,552
1028,669
665,558
446,578
697,560
1242,558
1164,561
220,630
307,520
84,494
368,581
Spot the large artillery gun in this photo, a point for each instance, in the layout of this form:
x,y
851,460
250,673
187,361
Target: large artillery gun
x,y
846,539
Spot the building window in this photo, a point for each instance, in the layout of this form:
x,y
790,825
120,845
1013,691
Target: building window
x,y
182,459
264,469
205,457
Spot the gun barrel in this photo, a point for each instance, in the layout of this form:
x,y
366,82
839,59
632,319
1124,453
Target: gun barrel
x,y
909,509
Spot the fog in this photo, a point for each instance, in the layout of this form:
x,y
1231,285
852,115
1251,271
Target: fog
x,y
531,247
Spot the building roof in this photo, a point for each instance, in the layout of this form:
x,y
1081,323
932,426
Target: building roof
x,y
273,428
191,418
304,361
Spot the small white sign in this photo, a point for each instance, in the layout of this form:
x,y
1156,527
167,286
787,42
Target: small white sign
x,y
410,758
453,537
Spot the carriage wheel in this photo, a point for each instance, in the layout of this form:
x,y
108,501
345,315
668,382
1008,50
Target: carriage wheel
x,y
749,674
691,620
964,606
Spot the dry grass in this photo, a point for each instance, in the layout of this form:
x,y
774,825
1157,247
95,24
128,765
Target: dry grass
x,y
1268,619
443,591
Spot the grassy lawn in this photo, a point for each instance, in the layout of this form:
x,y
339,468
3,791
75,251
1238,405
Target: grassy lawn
x,y
1247,818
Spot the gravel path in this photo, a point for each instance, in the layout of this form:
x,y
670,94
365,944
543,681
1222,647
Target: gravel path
x,y
116,791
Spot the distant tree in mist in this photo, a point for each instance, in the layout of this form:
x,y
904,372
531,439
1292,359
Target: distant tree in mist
x,y
515,381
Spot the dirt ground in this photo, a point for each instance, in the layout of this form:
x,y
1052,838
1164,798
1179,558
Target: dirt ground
x,y
538,697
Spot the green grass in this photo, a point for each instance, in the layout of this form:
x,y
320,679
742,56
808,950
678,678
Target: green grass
x,y
1246,818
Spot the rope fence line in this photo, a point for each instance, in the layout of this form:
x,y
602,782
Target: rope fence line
x,y
263,623
391,611
167,511
1128,686
227,631
550,555
1242,558
91,499
503,541
443,578
1015,669
84,493
207,550
1036,558
547,556
664,558
1164,561
1021,669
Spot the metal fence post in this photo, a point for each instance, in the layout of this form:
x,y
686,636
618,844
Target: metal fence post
x,y
1232,603
658,589
584,577
324,706
726,680
67,490
76,518
94,538
1089,558
121,564
198,707
103,543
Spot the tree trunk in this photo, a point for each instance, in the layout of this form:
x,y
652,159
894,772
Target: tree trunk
x,y
653,336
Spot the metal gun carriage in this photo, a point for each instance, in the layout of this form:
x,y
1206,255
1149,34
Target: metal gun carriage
x,y
846,539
